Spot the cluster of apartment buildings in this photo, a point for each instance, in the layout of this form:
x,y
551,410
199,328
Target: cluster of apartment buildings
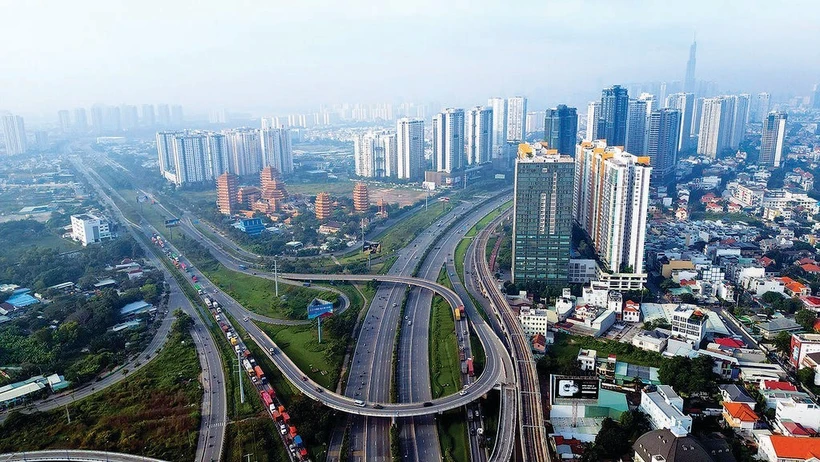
x,y
196,156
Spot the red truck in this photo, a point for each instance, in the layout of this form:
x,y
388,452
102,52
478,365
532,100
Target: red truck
x,y
259,373
286,417
266,398
193,278
470,370
461,309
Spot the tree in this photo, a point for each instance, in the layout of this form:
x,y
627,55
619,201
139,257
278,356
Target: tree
x,y
772,297
612,440
783,342
688,375
806,318
635,423
806,376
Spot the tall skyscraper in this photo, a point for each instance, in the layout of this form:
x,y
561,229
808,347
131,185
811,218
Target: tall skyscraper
x,y
244,151
542,216
740,119
218,160
98,119
112,120
448,140
535,122
697,116
516,119
689,83
771,143
227,187
177,118
163,115
64,118
683,102
130,117
612,120
14,133
410,146
277,150
561,129
663,141
612,199
479,135
165,150
593,114
716,126
816,96
636,126
376,154
499,107
80,120
759,107
190,158
148,118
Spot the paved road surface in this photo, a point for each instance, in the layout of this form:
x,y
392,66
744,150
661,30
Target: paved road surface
x,y
74,455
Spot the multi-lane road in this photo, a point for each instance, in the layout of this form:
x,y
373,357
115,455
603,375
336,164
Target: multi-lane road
x,y
214,405
79,455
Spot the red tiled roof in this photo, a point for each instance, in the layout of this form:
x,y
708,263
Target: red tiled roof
x,y
791,447
740,411
766,261
776,385
810,268
730,342
811,300
797,429
805,261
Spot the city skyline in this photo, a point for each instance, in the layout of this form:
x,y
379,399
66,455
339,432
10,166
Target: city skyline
x,y
117,71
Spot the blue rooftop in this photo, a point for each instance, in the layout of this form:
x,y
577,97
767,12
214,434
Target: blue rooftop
x,y
135,308
21,298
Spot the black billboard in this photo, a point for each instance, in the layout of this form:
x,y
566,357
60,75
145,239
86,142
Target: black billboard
x,y
573,388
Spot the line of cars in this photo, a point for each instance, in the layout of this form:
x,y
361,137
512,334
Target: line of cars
x,y
287,431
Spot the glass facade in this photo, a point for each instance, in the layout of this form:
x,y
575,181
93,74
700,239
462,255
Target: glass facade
x,y
542,225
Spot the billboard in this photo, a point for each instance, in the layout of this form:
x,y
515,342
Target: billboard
x,y
319,307
574,388
172,222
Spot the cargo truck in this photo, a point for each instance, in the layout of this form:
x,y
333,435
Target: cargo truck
x,y
234,342
458,315
266,399
247,365
259,373
461,310
470,370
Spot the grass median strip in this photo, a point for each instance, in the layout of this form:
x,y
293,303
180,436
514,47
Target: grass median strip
x,y
445,367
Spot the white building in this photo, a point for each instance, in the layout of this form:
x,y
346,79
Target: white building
x,y
612,200
534,321
631,312
410,148
448,140
797,409
587,359
479,135
689,323
89,229
664,408
244,151
653,340
277,150
716,121
499,108
376,154
516,119
593,114
14,132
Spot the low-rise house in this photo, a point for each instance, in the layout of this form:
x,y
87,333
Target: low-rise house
x,y
799,409
740,416
781,448
652,340
631,312
587,359
664,409
736,394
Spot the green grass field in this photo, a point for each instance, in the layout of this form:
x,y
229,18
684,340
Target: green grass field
x,y
320,361
460,253
445,367
566,348
334,188
153,413
51,241
452,434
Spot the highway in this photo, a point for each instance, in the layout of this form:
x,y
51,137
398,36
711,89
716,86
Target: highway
x,y
214,405
79,455
532,430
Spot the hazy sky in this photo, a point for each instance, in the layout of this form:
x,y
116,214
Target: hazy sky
x,y
276,56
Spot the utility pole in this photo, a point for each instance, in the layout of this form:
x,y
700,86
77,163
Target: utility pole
x,y
276,276
363,241
248,456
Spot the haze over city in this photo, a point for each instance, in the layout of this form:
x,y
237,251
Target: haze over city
x,y
260,56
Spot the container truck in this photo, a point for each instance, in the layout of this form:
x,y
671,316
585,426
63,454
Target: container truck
x,y
458,315
461,310
247,365
293,431
470,370
259,373
297,440
276,415
286,417
266,399
223,327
